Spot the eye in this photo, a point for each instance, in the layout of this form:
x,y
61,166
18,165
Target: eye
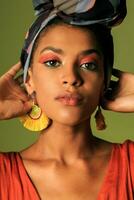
x,y
89,66
52,63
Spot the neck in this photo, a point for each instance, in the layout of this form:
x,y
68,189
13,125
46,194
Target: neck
x,y
64,142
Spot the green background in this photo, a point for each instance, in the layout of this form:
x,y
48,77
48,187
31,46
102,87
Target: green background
x,y
15,17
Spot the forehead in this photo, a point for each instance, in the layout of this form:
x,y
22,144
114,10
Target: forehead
x,y
67,35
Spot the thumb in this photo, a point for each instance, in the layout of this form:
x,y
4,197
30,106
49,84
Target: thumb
x,y
27,106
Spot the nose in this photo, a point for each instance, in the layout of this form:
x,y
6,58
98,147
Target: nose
x,y
71,77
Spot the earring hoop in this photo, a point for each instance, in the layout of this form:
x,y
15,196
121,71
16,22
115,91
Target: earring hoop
x,y
35,120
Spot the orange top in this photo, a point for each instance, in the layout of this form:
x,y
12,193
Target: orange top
x,y
15,184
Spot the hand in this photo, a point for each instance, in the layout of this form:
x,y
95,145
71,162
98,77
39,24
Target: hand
x,y
14,100
121,96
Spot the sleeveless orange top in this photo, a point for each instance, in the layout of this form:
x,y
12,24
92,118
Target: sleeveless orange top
x,y
15,184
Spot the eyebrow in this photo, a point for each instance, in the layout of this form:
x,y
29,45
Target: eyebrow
x,y
50,48
91,51
83,53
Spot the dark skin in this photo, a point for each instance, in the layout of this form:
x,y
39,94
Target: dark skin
x,y
14,101
74,165
122,101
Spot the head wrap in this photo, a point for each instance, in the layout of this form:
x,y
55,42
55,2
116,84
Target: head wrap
x,y
75,12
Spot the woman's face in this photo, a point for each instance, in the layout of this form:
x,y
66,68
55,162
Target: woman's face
x,y
67,74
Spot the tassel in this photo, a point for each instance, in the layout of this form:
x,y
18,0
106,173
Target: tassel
x,y
100,120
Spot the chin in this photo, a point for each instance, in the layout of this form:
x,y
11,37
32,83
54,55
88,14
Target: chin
x,y
70,118
69,123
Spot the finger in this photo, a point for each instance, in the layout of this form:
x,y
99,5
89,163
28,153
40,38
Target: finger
x,y
18,109
14,69
26,107
122,104
22,95
117,73
19,79
19,92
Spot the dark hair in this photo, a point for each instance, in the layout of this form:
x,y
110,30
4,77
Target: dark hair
x,y
104,39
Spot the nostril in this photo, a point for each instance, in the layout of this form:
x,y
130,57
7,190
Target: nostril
x,y
75,83
64,82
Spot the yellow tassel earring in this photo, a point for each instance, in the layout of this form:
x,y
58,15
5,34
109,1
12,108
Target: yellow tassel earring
x,y
35,120
100,121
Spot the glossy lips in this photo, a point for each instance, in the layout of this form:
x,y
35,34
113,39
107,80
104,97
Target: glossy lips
x,y
70,99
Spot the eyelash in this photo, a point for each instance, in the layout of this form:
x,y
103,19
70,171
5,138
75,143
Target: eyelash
x,y
53,63
92,66
49,63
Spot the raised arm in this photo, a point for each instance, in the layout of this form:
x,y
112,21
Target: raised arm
x,y
14,101
121,96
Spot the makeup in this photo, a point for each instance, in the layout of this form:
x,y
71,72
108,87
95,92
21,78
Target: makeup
x,y
89,59
48,57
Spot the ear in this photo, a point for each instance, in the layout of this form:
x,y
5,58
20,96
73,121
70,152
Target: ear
x,y
29,84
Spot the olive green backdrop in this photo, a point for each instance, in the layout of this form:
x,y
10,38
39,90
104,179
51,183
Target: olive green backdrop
x,y
15,17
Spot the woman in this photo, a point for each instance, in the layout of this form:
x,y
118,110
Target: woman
x,y
67,77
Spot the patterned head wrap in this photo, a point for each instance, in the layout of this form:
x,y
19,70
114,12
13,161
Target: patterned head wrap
x,y
75,12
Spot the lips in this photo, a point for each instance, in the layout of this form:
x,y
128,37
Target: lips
x,y
70,99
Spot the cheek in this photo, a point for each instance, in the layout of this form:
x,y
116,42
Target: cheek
x,y
45,97
44,87
95,90
95,84
47,87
